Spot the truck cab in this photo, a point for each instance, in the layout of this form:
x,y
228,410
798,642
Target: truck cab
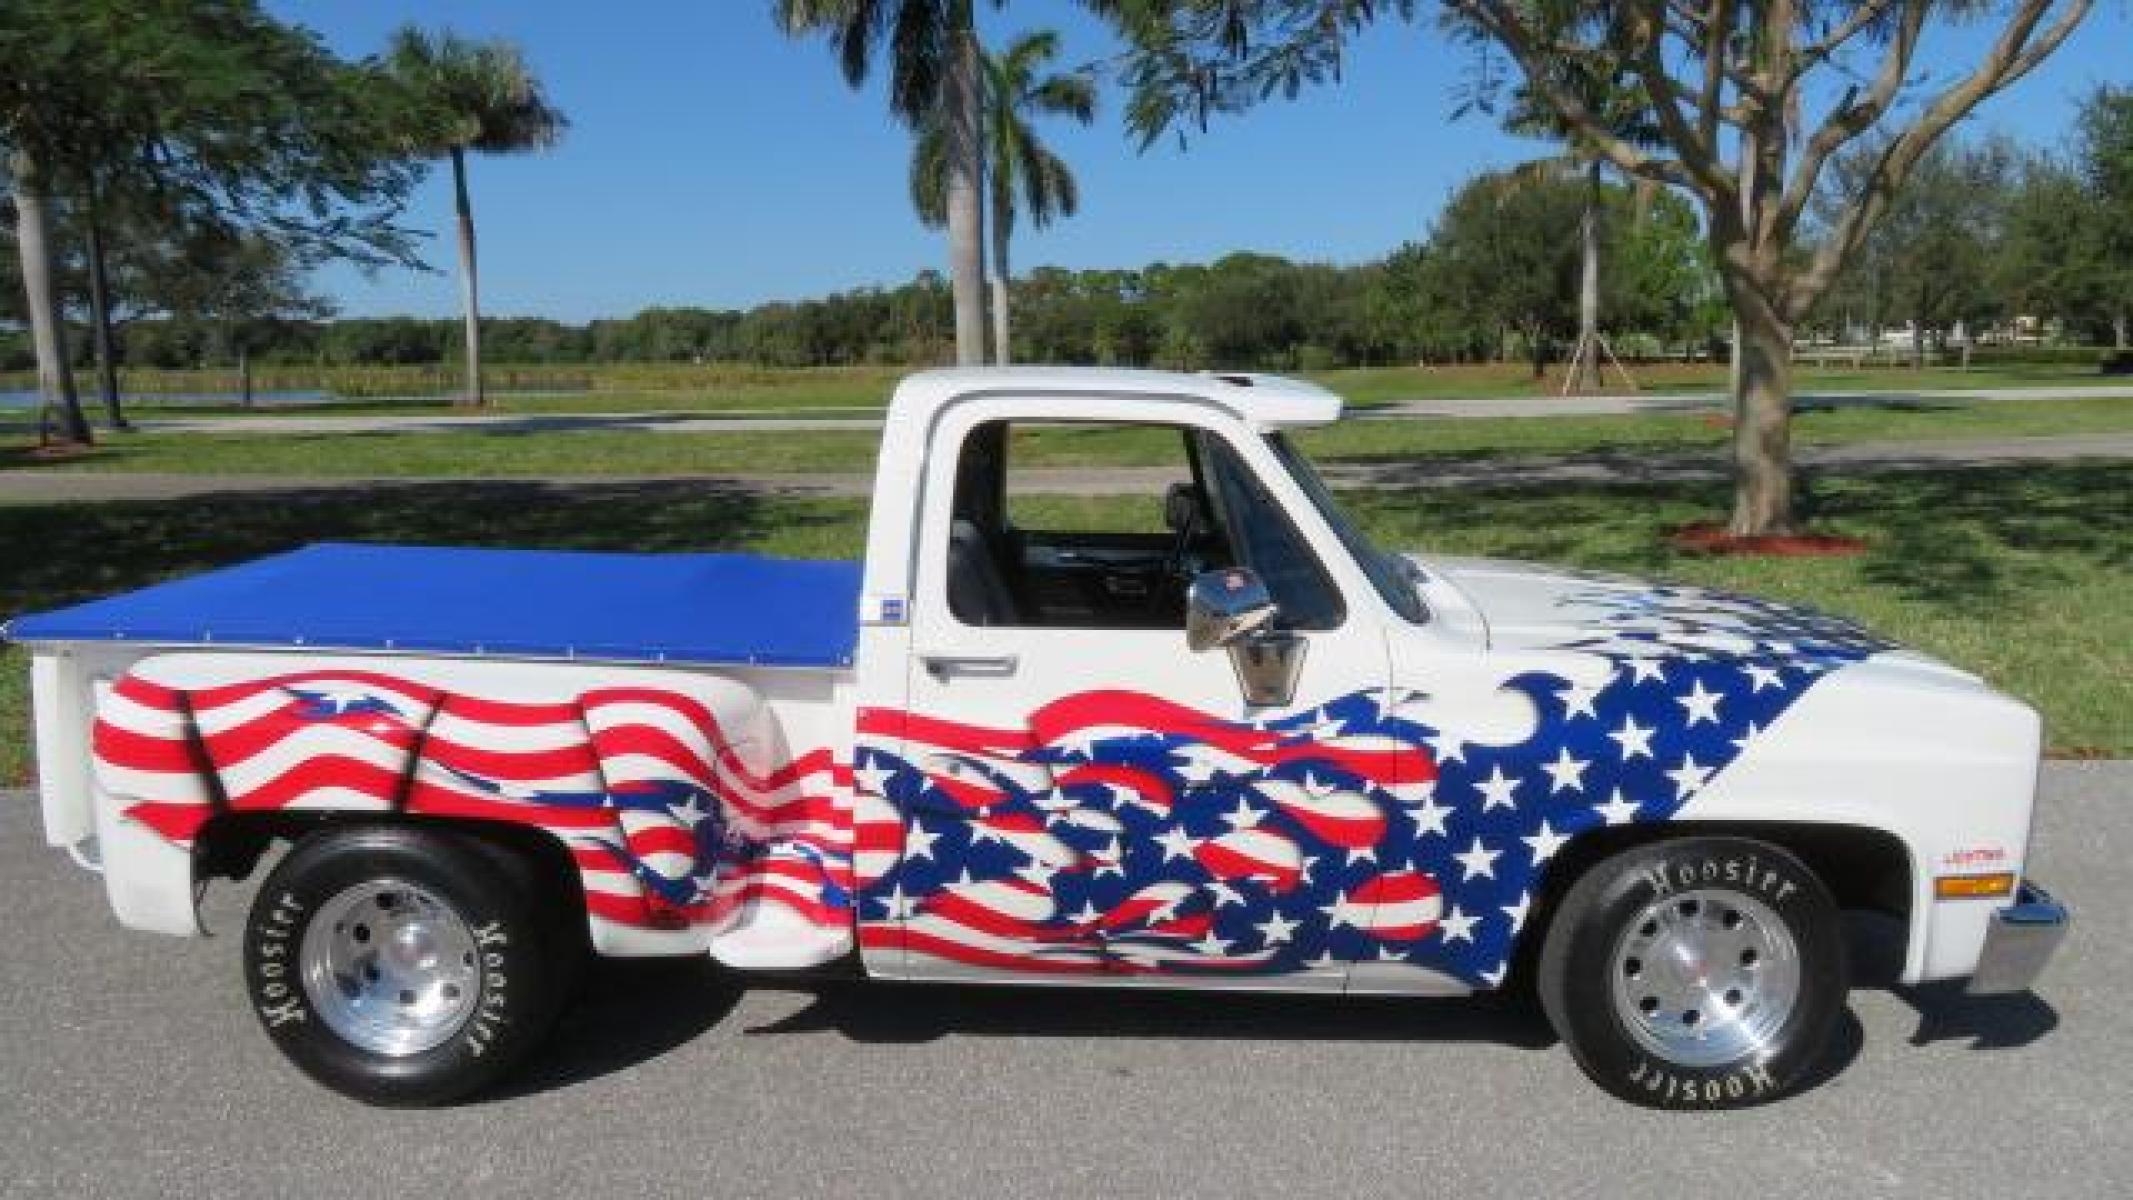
x,y
1205,734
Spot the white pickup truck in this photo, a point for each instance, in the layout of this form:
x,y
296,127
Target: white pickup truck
x,y
1227,743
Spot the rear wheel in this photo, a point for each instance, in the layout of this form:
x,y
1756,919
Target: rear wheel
x,y
403,966
1695,973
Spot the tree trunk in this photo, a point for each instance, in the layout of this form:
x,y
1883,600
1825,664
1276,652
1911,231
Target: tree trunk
x,y
100,316
470,286
966,216
244,375
60,418
2121,327
1002,230
1918,345
1762,420
1586,360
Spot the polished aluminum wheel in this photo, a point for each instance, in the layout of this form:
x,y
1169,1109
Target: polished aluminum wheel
x,y
390,967
1705,977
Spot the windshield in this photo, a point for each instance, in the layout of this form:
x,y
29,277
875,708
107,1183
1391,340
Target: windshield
x,y
1393,576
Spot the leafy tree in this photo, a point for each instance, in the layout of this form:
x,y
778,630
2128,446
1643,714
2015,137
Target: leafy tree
x,y
1929,260
935,76
1752,101
1624,110
211,108
1510,248
1021,171
480,97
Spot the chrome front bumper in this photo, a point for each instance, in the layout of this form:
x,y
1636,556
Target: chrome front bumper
x,y
2019,942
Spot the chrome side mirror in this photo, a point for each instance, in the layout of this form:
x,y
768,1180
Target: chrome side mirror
x,y
1224,606
1231,608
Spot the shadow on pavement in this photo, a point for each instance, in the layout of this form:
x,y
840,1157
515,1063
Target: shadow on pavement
x,y
1946,1013
909,1014
626,1012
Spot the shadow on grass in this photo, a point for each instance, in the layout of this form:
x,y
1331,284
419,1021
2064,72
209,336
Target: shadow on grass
x,y
1961,541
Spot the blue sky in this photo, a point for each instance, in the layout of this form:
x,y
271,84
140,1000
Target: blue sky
x,y
713,162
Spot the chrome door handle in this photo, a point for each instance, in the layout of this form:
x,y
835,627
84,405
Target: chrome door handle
x,y
946,666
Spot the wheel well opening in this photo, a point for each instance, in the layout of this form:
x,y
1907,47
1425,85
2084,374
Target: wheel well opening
x,y
1865,869
231,845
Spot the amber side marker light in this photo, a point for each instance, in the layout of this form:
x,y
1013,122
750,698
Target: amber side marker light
x,y
1974,887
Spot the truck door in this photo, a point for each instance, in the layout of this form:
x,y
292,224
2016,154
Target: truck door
x,y
1084,794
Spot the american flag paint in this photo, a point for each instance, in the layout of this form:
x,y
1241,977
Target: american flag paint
x,y
1119,832
670,825
1106,831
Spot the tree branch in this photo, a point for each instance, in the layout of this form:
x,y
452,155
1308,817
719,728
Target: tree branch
x,y
2017,51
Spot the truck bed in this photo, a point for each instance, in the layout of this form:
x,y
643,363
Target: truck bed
x,y
708,609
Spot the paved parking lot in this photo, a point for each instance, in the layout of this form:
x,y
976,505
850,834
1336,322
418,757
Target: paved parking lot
x,y
131,1067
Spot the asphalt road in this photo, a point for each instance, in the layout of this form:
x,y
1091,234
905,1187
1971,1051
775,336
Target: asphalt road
x,y
133,1068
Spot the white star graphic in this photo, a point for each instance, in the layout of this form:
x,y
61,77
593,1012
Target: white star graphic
x,y
1338,913
1176,843
1478,860
1244,816
1089,914
1497,790
1429,815
1223,893
1700,705
1492,977
1618,810
1577,699
1566,772
1642,668
873,778
1635,739
1458,926
896,906
1211,945
1037,873
1277,930
918,842
1446,747
1761,676
1688,777
690,812
1199,766
1747,737
1517,912
1544,843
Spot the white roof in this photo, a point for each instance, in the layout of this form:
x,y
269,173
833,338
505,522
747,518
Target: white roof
x,y
1262,401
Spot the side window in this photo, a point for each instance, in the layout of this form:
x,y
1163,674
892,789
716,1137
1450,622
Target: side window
x,y
1024,552
1268,541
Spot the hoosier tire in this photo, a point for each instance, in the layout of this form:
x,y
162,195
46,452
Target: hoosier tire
x,y
403,966
1701,973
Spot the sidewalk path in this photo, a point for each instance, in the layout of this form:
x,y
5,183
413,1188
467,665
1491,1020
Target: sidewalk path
x,y
1603,466
793,420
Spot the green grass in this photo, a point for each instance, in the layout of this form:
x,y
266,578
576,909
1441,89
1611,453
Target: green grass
x,y
2019,574
596,452
683,387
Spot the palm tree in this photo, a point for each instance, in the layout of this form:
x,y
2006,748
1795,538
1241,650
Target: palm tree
x,y
1621,107
60,419
1021,171
479,96
934,76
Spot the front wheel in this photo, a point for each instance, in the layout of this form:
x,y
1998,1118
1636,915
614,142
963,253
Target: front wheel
x,y
402,966
1695,973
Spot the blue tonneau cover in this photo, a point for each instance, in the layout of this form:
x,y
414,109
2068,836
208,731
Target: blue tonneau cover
x,y
727,609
